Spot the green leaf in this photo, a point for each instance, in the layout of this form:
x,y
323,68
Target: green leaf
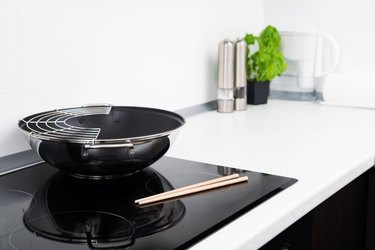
x,y
250,39
270,37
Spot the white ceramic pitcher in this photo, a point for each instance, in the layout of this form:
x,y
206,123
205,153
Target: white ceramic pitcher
x,y
307,54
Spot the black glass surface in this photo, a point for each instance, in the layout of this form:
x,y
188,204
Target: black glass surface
x,y
43,208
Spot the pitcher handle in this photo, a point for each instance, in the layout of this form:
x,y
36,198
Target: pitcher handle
x,y
336,55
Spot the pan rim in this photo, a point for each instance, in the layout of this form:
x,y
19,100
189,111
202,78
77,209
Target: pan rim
x,y
22,124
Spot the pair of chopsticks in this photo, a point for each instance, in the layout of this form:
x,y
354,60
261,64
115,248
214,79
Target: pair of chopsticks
x,y
191,189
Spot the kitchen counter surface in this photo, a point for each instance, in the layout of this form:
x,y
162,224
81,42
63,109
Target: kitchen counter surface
x,y
324,147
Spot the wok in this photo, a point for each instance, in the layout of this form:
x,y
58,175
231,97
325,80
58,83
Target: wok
x,y
101,141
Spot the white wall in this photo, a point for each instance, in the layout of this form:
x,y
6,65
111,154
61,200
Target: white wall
x,y
350,22
64,53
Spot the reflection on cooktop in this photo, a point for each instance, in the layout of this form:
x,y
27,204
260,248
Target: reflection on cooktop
x,y
52,210
62,194
99,230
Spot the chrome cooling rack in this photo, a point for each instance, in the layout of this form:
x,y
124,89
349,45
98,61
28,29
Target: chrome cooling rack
x,y
54,125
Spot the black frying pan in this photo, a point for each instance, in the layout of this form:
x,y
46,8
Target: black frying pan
x,y
101,141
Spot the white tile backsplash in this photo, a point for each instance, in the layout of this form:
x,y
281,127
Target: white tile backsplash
x,y
9,56
12,140
67,53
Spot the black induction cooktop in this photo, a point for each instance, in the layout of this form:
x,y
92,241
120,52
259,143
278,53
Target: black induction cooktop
x,y
43,208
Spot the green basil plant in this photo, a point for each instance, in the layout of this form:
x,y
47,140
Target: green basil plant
x,y
267,62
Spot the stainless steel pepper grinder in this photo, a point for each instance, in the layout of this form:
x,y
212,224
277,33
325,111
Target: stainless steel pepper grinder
x,y
240,82
225,100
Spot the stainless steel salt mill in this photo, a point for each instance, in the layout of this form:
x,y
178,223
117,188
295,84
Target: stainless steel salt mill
x,y
225,100
240,82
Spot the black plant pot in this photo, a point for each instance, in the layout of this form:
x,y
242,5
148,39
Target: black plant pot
x,y
258,92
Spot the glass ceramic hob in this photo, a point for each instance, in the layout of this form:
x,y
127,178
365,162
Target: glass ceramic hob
x,y
43,208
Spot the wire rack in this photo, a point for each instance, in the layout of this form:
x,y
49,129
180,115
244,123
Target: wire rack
x,y
54,125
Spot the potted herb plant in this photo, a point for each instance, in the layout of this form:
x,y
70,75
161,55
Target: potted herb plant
x,y
264,64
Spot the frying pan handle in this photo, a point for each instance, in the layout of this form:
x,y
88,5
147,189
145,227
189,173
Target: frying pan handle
x,y
128,145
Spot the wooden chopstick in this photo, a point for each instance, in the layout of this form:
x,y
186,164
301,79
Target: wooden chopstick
x,y
190,195
200,184
193,190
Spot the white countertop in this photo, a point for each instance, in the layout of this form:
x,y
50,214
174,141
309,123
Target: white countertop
x,y
324,147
